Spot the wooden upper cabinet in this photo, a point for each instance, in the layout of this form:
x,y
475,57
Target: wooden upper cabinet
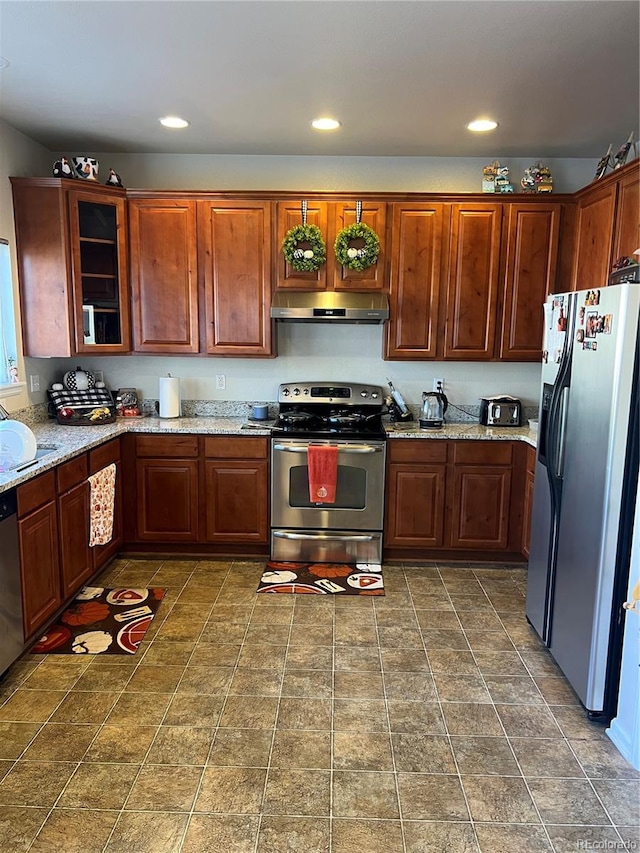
x,y
164,281
416,252
374,214
531,255
331,217
594,237
626,237
473,278
72,267
235,259
289,214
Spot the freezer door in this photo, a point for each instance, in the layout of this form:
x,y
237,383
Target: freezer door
x,y
596,462
544,516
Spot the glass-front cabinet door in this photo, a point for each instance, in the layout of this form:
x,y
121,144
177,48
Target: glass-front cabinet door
x,y
99,265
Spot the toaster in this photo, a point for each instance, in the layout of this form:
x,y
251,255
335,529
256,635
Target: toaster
x,y
500,411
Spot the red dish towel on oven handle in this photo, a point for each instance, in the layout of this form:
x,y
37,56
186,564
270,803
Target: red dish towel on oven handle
x,y
322,461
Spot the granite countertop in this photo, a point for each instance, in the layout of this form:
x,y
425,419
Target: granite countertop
x,y
411,429
67,442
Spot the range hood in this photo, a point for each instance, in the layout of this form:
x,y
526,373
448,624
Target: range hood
x,y
329,306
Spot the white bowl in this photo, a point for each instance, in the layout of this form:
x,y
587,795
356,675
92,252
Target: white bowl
x,y
533,425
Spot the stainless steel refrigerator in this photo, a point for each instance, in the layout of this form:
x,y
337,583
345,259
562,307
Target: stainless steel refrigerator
x,y
585,486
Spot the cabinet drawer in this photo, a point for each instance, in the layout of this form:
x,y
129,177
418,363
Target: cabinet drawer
x,y
167,445
104,455
36,492
235,448
70,473
417,450
482,452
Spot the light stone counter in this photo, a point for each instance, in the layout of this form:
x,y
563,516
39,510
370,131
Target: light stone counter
x,y
472,431
68,442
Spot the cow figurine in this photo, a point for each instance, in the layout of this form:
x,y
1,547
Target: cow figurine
x,y
114,179
62,168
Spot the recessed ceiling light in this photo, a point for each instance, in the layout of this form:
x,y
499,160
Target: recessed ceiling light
x,y
4,63
325,123
174,122
481,125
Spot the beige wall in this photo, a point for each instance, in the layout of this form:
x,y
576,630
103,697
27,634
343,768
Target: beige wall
x,y
323,353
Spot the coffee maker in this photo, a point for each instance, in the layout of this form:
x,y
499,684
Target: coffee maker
x,y
434,405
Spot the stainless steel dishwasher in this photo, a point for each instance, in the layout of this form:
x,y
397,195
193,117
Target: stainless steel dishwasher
x,y
11,634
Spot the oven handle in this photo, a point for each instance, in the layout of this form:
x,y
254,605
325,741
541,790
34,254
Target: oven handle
x,y
357,537
344,448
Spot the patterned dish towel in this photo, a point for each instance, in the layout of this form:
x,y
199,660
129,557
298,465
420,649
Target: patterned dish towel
x,y
103,488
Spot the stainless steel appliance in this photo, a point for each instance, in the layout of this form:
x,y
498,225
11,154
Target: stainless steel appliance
x,y
329,306
585,486
434,405
502,410
349,417
11,633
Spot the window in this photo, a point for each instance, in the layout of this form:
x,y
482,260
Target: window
x,y
8,348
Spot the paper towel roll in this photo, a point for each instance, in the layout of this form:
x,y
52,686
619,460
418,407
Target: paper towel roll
x,y
169,397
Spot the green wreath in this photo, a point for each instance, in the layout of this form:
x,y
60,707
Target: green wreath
x,y
304,248
357,257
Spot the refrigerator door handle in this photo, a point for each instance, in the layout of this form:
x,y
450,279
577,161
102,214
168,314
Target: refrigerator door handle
x,y
561,437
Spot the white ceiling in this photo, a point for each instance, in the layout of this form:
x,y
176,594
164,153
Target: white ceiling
x,y
561,76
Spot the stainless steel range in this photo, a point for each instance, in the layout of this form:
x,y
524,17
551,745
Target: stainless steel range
x,y
347,417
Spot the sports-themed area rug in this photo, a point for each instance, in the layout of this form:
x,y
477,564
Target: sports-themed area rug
x,y
323,578
102,621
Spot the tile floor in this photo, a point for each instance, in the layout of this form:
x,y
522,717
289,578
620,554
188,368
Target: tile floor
x,y
429,720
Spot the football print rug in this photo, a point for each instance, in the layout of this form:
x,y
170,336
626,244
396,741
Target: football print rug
x,y
102,621
322,578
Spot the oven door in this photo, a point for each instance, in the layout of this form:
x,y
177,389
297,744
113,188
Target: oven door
x,y
359,502
347,530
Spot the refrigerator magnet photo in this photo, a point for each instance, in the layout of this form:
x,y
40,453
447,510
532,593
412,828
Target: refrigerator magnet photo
x,y
580,335
608,324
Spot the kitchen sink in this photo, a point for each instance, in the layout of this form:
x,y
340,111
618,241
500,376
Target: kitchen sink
x,y
41,451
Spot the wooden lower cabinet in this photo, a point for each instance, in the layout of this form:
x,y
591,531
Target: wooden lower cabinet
x,y
236,490
167,488
416,483
76,559
455,498
528,499
99,458
39,564
480,506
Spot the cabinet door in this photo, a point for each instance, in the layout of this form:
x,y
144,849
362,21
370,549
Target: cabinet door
x,y
626,237
39,567
472,292
99,458
416,244
481,506
236,261
99,268
236,501
289,214
374,214
530,273
594,238
415,506
526,518
76,560
164,284
167,498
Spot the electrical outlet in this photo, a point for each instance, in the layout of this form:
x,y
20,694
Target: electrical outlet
x,y
438,384
34,382
98,375
221,381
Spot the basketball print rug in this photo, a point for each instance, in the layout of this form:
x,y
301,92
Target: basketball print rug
x,y
322,578
102,621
